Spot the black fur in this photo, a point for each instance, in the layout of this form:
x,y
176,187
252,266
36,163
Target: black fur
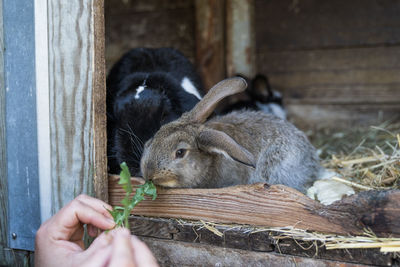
x,y
258,93
132,121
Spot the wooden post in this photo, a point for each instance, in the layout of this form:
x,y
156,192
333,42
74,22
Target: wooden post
x,y
240,44
77,102
210,45
3,159
100,178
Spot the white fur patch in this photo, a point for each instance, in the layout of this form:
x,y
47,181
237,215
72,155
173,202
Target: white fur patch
x,y
272,108
138,91
189,87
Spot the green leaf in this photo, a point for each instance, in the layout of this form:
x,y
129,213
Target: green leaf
x,y
150,190
121,214
125,178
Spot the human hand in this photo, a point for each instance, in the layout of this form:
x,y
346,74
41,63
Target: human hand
x,y
59,241
123,251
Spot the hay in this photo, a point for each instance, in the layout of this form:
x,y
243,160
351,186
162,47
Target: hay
x,y
372,164
365,159
366,241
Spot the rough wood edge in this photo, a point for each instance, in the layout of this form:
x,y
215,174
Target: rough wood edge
x,y
100,179
248,239
273,206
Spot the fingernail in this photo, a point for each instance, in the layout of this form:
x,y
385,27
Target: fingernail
x,y
111,221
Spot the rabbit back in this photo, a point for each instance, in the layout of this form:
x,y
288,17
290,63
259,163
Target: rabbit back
x,y
284,154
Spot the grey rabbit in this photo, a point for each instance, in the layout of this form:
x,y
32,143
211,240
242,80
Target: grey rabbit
x,y
241,147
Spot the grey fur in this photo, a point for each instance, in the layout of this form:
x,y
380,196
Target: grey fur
x,y
281,152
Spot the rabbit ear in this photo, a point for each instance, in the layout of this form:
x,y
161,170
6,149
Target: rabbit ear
x,y
211,140
261,87
206,106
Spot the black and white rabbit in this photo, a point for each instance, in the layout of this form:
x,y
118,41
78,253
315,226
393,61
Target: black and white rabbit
x,y
258,96
146,88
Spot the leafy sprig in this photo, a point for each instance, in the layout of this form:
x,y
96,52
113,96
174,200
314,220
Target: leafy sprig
x,y
121,214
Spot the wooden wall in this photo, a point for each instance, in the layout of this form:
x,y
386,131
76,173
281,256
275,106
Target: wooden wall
x,y
77,100
149,23
337,62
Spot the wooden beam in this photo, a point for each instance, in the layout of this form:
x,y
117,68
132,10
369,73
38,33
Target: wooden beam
x,y
248,238
319,116
100,178
210,45
173,253
75,75
240,35
273,206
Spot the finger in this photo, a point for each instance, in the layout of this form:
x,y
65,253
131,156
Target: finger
x,y
71,217
92,230
99,258
142,254
96,204
103,240
122,253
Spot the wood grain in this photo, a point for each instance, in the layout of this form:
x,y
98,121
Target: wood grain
x,y
100,176
248,238
149,23
71,84
16,258
310,24
273,206
210,44
3,152
240,38
315,116
172,253
353,75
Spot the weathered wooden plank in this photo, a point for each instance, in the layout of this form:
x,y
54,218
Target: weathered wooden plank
x,y
15,258
273,206
173,253
71,84
115,7
317,250
152,227
240,35
100,176
315,116
252,239
3,158
154,23
306,24
210,45
344,59
362,75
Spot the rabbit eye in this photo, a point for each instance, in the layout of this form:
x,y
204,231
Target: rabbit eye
x,y
180,153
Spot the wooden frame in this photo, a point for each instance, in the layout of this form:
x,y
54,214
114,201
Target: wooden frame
x,y
239,212
273,206
70,65
177,242
77,100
